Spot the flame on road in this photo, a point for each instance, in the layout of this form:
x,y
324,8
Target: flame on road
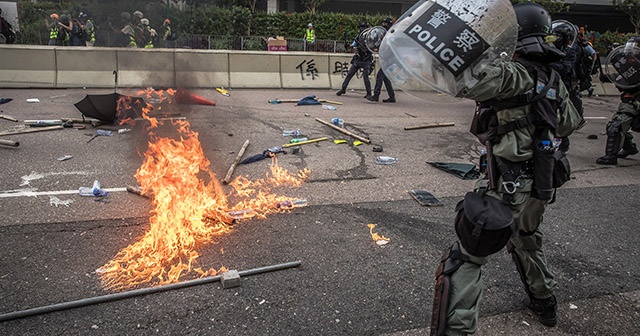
x,y
190,207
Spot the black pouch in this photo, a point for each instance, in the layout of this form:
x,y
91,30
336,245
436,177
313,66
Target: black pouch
x,y
561,169
484,124
635,123
543,171
483,224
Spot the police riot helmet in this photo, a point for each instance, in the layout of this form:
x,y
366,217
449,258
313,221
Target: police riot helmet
x,y
622,65
387,20
535,39
565,33
125,16
533,20
363,24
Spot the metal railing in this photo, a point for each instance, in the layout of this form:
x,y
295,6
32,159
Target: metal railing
x,y
195,41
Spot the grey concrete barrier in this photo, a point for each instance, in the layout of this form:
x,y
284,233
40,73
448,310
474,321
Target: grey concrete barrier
x,y
254,69
201,68
146,67
27,66
82,67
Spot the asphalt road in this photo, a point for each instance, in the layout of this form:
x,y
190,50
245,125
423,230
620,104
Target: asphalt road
x,y
54,240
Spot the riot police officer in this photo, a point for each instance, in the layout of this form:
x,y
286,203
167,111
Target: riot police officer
x,y
530,105
361,60
624,60
381,77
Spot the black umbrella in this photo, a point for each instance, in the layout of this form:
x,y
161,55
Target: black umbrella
x,y
111,107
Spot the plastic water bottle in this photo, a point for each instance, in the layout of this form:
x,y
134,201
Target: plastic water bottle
x,y
338,122
290,204
329,107
297,140
557,142
95,190
124,130
241,214
291,133
483,160
276,149
104,132
385,160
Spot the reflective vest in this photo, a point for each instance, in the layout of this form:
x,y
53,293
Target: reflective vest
x,y
90,32
149,43
310,35
53,32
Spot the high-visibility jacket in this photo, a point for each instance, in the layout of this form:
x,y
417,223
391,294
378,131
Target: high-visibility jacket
x,y
90,31
310,35
53,32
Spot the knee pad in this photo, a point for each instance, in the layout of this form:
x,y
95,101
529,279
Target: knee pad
x,y
614,126
449,263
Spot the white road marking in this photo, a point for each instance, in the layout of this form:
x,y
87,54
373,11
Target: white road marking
x,y
31,193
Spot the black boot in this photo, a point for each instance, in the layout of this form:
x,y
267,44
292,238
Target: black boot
x,y
611,150
546,309
389,100
373,98
340,93
628,149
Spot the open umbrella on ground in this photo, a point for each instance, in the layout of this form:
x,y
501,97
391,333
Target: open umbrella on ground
x,y
110,107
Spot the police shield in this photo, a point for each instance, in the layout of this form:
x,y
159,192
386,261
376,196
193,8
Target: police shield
x,y
445,45
622,66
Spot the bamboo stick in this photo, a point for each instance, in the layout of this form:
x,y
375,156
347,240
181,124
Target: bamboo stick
x,y
304,142
31,130
342,130
235,162
430,125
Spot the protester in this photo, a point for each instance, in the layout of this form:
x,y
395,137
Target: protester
x,y
361,60
509,201
55,37
150,34
127,33
139,29
169,36
619,138
381,77
65,25
88,29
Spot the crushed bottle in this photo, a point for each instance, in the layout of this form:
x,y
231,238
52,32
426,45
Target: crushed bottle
x,y
95,190
298,140
292,203
385,160
291,133
241,214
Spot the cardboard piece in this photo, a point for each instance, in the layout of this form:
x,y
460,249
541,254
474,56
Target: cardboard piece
x,y
277,44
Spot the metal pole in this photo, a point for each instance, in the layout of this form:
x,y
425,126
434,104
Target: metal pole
x,y
136,292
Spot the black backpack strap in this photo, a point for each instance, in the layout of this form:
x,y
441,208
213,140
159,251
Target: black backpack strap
x,y
521,100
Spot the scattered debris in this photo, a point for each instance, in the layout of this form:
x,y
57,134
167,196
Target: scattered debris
x,y
386,160
380,240
304,142
9,143
425,198
235,162
53,200
465,171
31,130
377,149
339,141
6,117
342,130
5,100
65,157
592,136
183,96
104,107
136,190
223,91
429,125
33,100
41,123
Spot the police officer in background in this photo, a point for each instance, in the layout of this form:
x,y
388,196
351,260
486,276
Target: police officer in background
x,y
381,77
363,59
518,144
565,35
624,60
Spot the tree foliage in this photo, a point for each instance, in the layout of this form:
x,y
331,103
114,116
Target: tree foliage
x,y
631,8
312,5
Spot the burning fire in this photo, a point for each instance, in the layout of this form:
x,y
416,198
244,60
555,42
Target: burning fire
x,y
380,240
188,210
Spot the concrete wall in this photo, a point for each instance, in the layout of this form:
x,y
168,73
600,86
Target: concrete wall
x,y
68,67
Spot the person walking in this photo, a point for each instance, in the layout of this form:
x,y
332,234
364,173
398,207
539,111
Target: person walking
x,y
627,116
509,201
361,60
381,77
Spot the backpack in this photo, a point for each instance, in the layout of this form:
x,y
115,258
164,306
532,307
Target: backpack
x,y
584,68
